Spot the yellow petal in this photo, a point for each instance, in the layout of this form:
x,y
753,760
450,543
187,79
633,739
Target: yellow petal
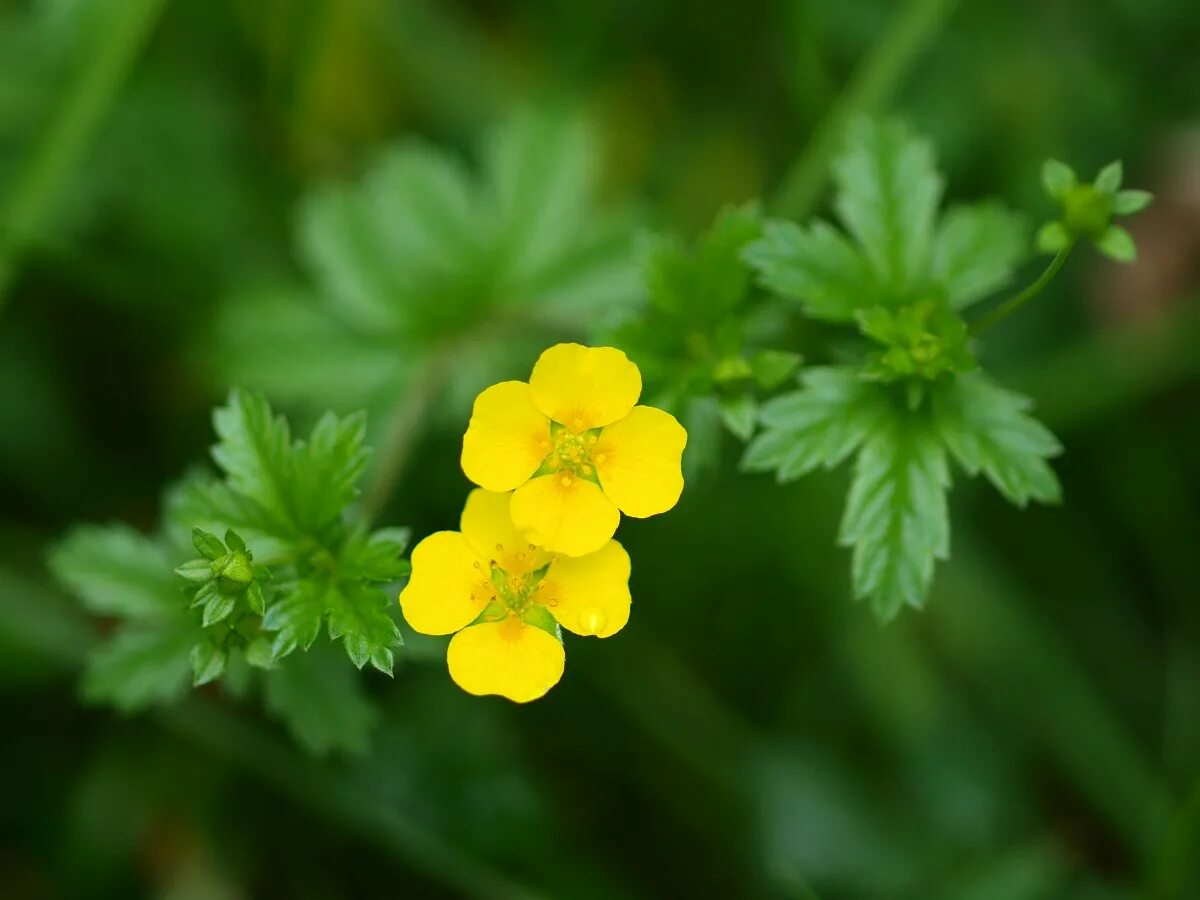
x,y
564,514
445,591
509,658
589,594
489,529
638,460
507,438
585,387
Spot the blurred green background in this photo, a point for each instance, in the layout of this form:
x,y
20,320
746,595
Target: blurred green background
x,y
1035,733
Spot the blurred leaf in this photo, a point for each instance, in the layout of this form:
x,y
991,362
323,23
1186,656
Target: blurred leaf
x,y
321,702
142,666
740,414
976,250
117,571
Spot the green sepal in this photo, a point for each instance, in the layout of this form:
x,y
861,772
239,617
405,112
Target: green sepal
x,y
1058,178
1117,243
197,570
207,545
496,611
1109,179
234,541
255,599
207,591
540,617
1127,203
208,662
218,608
1052,238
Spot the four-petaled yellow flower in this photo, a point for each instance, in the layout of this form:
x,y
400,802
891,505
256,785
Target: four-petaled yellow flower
x,y
575,448
505,597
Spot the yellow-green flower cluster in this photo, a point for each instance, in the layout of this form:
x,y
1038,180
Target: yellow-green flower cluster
x,y
557,460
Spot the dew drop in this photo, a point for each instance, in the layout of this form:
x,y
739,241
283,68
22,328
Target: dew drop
x,y
593,621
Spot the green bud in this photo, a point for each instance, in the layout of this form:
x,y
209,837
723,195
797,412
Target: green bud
x,y
1087,210
235,572
731,368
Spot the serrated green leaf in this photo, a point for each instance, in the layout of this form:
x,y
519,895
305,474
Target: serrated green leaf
x,y
988,429
976,250
1126,203
819,425
208,662
218,608
1117,243
141,666
896,518
1058,178
817,267
197,570
888,195
286,489
296,616
1109,179
358,615
115,570
320,700
254,452
740,414
206,544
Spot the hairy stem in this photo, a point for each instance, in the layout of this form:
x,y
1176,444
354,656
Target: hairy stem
x,y
875,80
81,109
1012,304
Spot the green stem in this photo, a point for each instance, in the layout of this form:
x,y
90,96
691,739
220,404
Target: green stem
x,y
57,153
875,80
1012,304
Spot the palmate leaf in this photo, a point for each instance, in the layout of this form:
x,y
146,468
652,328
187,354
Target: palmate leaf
x,y
142,665
274,485
976,251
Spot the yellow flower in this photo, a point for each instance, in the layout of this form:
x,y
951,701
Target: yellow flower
x,y
506,597
574,448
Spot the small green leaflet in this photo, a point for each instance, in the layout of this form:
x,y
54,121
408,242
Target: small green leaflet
x,y
896,519
895,251
988,429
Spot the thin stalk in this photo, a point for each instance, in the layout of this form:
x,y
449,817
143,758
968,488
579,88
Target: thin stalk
x,y
873,83
82,107
1012,304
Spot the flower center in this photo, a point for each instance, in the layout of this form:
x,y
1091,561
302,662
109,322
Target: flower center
x,y
516,588
571,453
